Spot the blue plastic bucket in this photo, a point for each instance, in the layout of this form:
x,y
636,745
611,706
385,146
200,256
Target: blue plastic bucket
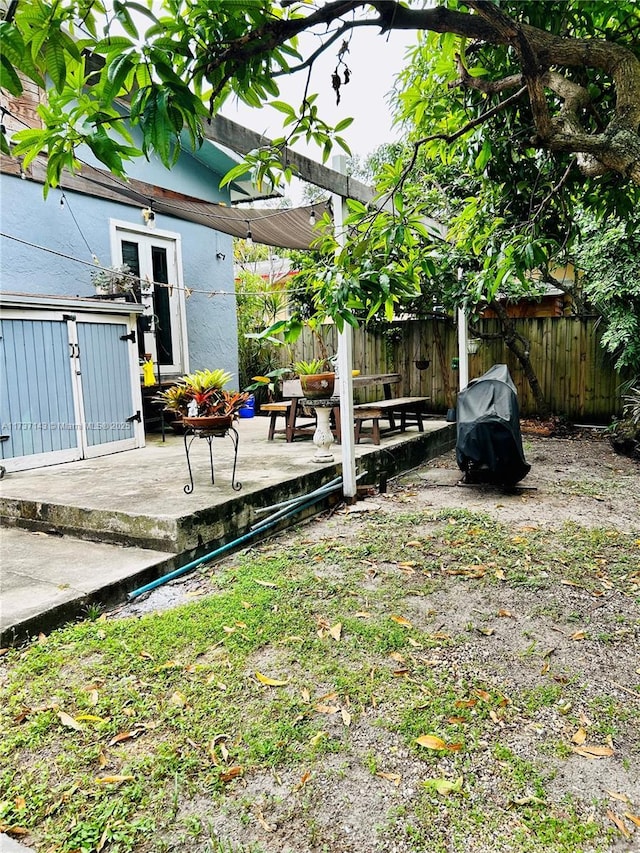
x,y
248,410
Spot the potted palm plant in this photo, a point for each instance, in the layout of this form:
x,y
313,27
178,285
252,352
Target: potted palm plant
x,y
200,400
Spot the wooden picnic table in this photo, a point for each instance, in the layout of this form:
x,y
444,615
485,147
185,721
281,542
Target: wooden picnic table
x,y
292,392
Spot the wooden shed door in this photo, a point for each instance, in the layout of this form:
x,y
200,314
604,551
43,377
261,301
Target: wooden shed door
x,y
105,385
67,389
37,396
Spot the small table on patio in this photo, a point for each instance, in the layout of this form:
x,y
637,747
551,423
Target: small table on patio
x,y
190,433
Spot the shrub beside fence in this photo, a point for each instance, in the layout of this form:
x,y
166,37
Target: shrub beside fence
x,y
576,375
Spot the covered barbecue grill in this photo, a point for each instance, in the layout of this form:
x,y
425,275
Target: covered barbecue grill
x,y
489,445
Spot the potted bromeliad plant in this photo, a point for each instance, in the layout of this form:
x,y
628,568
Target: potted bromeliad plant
x,y
316,378
200,400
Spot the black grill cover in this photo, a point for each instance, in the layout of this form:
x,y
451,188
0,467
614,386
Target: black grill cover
x,y
489,445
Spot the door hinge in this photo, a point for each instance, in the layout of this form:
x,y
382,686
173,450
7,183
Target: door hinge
x,y
130,337
135,417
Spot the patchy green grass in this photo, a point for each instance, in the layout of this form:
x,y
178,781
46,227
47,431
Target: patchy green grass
x,y
111,727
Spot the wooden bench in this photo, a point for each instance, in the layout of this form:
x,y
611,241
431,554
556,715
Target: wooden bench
x,y
399,412
290,411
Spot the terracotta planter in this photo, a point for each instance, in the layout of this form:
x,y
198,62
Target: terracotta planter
x,y
210,423
318,386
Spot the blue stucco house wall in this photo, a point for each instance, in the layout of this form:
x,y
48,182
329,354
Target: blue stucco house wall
x,y
49,247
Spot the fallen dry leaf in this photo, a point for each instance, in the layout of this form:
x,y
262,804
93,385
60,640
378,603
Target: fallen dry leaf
x,y
270,827
336,631
622,826
579,737
303,780
112,780
488,632
431,742
124,736
579,635
506,613
402,621
390,777
346,717
20,803
68,721
267,584
178,699
89,718
593,751
10,829
271,682
231,773
616,795
327,709
633,818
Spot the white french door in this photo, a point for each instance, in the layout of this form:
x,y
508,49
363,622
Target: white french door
x,y
156,259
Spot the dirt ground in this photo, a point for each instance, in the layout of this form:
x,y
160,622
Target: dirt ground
x,y
347,808
578,479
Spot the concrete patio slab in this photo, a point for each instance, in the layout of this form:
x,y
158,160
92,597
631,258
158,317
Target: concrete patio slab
x,y
49,579
141,524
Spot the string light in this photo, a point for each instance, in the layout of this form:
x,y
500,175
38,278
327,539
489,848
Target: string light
x,y
312,217
249,237
148,283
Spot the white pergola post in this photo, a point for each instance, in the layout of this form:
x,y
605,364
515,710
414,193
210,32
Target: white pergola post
x,y
463,355
463,338
345,364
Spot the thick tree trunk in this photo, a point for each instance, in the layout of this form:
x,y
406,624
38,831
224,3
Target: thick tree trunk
x,y
519,346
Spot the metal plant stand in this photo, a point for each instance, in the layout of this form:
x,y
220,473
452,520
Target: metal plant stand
x,y
209,435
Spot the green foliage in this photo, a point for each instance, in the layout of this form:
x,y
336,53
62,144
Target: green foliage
x,y
309,368
609,256
259,303
474,158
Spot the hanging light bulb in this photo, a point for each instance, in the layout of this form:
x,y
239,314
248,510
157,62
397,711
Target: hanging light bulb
x,y
249,237
149,217
312,217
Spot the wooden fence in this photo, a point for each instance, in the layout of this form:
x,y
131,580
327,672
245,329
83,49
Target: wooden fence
x,y
576,375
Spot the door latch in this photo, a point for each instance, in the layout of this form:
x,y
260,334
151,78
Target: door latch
x,y
135,417
130,337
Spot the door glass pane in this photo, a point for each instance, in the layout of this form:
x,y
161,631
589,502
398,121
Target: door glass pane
x,y
131,257
161,307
